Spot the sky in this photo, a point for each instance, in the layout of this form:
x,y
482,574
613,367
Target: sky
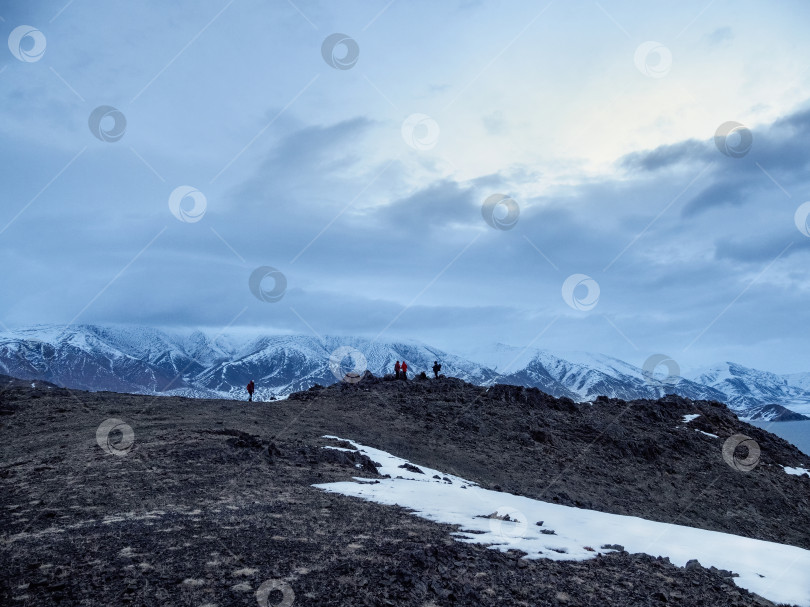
x,y
616,177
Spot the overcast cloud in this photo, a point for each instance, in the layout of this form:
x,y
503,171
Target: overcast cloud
x,y
606,145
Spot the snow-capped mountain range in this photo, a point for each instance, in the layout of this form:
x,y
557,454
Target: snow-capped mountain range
x,y
150,361
745,387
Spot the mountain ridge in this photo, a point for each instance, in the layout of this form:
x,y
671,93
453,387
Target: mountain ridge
x,y
146,360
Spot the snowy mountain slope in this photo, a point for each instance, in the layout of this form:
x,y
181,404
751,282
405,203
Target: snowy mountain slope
x,y
744,387
584,376
145,360
284,364
798,380
773,413
93,358
150,361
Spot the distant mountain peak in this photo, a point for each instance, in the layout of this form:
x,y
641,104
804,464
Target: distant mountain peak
x,y
214,365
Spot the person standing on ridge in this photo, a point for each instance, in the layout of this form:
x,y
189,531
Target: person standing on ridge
x,y
404,368
396,370
436,368
250,388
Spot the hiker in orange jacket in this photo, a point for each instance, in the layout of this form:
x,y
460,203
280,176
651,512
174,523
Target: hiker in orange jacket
x,y
404,368
250,388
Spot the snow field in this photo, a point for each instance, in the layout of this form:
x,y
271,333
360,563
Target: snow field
x,y
777,572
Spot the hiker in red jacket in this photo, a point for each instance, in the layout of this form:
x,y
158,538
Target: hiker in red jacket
x,y
250,388
404,368
396,370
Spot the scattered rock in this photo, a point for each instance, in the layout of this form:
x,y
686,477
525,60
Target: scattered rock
x,y
411,468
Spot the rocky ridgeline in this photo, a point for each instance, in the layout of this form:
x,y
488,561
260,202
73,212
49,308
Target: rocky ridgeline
x,y
206,502
637,458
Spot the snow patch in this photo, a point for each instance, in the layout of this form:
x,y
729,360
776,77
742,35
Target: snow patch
x,y
504,521
690,417
797,471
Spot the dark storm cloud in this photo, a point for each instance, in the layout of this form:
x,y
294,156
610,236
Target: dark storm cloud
x,y
723,191
434,207
780,152
784,147
665,156
307,156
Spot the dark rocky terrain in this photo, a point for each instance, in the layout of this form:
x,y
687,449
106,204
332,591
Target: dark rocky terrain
x,y
212,500
775,413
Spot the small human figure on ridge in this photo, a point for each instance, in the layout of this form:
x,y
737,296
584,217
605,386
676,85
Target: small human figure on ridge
x,y
404,369
250,387
396,370
436,368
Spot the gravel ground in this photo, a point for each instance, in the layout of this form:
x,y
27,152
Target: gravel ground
x,y
209,502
